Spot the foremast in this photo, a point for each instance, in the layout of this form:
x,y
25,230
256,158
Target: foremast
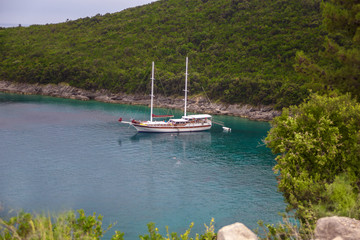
x,y
186,91
152,92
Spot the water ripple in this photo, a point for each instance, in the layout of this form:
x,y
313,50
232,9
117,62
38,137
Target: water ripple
x,y
61,154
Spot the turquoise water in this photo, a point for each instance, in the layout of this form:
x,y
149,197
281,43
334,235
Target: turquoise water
x,y
60,154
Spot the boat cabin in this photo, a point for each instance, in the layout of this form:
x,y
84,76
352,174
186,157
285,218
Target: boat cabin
x,y
200,118
178,121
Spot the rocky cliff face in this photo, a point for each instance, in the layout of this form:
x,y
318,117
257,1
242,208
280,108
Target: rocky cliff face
x,y
195,104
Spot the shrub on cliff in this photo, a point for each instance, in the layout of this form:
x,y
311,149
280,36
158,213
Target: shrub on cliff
x,y
71,226
318,166
62,226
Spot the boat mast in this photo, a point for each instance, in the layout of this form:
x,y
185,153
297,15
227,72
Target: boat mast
x,y
186,91
152,93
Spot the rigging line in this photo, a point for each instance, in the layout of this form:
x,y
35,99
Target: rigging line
x,y
225,129
217,122
166,95
138,106
162,86
207,97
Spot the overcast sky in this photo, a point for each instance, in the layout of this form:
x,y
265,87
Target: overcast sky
x,y
28,12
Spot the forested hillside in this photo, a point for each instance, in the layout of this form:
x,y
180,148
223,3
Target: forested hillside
x,y
240,51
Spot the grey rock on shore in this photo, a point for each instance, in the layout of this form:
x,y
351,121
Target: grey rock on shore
x,y
327,228
339,228
195,104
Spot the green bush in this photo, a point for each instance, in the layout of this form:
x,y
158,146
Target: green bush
x,y
63,226
289,229
69,226
318,144
342,198
155,235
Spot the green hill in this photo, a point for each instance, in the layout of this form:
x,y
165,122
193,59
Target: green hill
x,y
239,50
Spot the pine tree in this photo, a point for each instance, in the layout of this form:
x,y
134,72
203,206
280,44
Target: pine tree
x,y
338,66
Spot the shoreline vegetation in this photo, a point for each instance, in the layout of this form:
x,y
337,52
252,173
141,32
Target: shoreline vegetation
x,y
240,52
78,225
199,104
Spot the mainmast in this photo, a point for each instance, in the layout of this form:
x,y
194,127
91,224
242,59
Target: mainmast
x,y
186,91
152,92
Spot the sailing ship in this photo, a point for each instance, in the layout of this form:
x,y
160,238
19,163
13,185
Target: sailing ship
x,y
187,123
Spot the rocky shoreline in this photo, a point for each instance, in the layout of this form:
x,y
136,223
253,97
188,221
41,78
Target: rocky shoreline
x,y
197,104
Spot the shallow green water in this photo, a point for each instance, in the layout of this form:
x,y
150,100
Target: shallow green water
x,y
59,154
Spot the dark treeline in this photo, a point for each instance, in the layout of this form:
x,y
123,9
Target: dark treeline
x,y
240,51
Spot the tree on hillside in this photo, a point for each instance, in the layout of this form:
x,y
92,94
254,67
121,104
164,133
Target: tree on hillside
x,y
318,166
338,64
239,51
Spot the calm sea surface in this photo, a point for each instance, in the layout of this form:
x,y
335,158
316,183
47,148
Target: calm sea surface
x,y
59,154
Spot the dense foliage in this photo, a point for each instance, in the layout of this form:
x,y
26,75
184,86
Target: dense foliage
x,y
155,235
289,229
319,141
239,50
71,226
318,165
62,226
337,66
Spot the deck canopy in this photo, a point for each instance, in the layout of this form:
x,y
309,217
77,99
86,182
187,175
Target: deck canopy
x,y
198,116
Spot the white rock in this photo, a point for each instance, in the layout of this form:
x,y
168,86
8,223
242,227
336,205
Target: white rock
x,y
236,231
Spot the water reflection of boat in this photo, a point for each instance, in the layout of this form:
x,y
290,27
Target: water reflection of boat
x,y
188,137
188,123
175,145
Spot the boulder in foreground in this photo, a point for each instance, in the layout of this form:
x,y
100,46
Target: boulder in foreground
x,y
236,231
339,228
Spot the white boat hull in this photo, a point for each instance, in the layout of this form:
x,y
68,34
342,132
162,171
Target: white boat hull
x,y
171,129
